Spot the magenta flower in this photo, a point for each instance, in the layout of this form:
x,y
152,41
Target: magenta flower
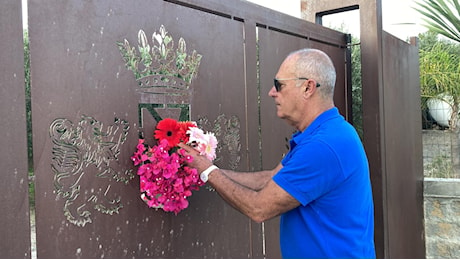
x,y
165,181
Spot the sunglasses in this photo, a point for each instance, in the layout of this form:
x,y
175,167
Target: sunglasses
x,y
278,84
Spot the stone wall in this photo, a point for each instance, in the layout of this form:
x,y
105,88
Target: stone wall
x,y
442,196
442,217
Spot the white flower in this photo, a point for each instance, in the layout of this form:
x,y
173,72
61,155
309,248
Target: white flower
x,y
206,144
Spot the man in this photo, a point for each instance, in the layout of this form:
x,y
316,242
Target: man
x,y
321,188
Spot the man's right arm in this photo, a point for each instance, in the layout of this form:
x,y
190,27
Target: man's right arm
x,y
253,180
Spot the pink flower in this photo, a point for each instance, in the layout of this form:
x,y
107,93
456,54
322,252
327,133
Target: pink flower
x,y
206,144
210,146
139,156
196,135
165,180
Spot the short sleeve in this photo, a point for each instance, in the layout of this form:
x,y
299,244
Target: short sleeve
x,y
309,171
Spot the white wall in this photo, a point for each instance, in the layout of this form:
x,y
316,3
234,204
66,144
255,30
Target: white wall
x,y
291,7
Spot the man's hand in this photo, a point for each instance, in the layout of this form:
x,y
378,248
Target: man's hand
x,y
199,162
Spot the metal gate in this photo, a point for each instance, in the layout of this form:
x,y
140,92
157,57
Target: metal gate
x,y
89,109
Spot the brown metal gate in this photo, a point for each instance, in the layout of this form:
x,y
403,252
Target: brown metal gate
x,y
88,110
87,198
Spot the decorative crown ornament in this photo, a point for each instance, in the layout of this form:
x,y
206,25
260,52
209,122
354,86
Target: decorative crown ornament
x,y
160,67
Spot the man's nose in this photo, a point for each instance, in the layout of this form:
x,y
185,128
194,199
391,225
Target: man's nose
x,y
272,92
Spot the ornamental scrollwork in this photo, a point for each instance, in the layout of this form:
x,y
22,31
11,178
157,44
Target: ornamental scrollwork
x,y
227,131
88,147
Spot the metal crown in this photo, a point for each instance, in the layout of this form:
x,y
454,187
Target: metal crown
x,y
160,65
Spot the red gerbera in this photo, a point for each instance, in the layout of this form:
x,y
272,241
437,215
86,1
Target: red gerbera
x,y
170,130
184,128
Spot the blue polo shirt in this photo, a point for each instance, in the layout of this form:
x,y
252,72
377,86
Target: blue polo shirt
x,y
327,171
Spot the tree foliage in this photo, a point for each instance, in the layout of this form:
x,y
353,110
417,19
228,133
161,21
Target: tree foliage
x,y
440,71
28,97
441,16
356,86
440,79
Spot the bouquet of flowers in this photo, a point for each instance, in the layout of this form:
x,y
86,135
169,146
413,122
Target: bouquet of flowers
x,y
165,181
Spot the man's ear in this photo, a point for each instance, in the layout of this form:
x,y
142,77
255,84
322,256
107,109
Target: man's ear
x,y
310,88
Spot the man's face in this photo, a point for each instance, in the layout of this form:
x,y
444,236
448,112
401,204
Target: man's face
x,y
287,99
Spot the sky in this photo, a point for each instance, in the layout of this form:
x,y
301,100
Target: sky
x,y
398,16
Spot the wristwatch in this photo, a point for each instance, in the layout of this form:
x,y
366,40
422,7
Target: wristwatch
x,y
204,175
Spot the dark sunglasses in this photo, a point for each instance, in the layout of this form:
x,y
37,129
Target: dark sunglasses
x,y
278,84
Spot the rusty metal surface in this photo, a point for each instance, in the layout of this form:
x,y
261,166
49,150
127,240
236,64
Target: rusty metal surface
x,y
14,202
80,84
87,77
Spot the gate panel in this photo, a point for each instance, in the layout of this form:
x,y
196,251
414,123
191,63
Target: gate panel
x,y
269,64
14,183
218,105
275,131
81,84
89,109
403,148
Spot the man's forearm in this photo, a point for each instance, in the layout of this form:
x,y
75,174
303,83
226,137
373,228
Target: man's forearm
x,y
253,180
